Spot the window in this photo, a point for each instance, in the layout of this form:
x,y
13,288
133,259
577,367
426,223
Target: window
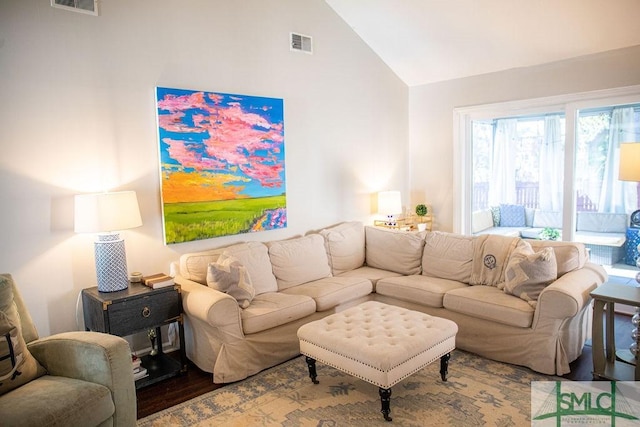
x,y
547,154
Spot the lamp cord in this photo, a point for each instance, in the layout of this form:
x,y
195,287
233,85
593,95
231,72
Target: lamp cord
x,y
77,311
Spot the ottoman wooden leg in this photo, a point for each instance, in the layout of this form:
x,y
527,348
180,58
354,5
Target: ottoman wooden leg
x,y
311,363
444,365
385,399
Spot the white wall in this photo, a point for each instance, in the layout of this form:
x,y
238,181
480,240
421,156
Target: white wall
x,y
431,112
78,115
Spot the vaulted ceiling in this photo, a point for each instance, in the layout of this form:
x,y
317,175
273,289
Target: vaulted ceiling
x,y
426,41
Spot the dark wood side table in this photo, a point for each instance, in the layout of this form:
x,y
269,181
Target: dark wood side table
x,y
135,309
605,362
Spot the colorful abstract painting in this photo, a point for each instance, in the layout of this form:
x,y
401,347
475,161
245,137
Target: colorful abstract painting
x,y
221,162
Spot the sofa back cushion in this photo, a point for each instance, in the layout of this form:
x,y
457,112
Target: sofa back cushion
x,y
448,256
194,265
344,244
253,255
299,260
602,222
394,250
569,255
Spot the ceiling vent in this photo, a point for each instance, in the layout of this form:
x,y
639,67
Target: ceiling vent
x,y
301,43
89,7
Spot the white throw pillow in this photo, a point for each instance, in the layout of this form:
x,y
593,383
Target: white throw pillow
x,y
344,244
528,272
299,260
230,276
255,257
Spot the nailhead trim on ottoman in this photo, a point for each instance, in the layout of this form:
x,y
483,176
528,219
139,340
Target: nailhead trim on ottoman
x,y
378,343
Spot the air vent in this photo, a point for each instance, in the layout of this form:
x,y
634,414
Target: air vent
x,y
301,43
83,6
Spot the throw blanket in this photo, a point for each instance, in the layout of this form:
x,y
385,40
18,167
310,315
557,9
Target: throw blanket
x,y
490,256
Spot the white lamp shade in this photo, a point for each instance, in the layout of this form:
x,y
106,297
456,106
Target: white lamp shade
x,y
105,212
629,161
389,202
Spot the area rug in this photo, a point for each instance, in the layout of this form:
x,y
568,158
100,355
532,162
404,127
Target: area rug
x,y
478,392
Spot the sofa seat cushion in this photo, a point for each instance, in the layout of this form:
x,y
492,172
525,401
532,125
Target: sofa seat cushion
x,y
345,246
393,250
332,291
418,289
371,273
490,303
448,256
274,309
66,401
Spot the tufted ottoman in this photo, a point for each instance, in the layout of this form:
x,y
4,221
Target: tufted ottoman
x,y
378,343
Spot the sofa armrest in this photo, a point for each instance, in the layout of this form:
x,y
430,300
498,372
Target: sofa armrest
x,y
94,357
212,307
568,295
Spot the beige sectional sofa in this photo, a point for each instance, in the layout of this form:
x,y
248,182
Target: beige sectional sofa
x,y
295,281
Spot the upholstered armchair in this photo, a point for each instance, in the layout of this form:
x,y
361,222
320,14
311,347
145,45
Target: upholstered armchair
x,y
68,379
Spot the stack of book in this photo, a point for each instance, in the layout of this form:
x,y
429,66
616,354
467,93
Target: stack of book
x,y
159,280
139,371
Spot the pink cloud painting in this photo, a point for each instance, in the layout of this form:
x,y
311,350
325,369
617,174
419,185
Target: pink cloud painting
x,y
220,152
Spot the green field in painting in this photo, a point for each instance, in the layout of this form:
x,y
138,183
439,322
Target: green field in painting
x,y
185,222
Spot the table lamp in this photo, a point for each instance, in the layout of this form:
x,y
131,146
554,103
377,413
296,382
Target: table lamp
x,y
630,171
107,214
390,204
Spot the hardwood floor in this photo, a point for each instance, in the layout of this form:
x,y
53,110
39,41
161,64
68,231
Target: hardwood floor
x,y
196,382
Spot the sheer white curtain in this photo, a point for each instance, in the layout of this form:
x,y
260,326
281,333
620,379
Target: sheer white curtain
x,y
502,188
618,196
551,165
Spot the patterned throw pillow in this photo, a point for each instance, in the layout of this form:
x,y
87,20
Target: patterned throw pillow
x,y
495,214
228,275
529,272
17,365
512,216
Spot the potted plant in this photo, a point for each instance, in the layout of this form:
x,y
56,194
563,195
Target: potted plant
x,y
549,233
421,211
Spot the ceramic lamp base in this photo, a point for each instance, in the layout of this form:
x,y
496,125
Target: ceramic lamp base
x,y
111,263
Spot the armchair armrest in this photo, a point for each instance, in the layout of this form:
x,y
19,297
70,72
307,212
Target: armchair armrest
x,y
570,293
94,357
212,307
